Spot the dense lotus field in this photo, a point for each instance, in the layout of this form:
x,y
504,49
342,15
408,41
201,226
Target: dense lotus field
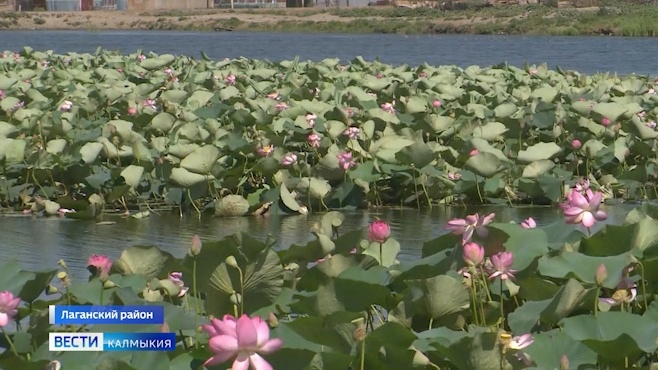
x,y
486,296
136,129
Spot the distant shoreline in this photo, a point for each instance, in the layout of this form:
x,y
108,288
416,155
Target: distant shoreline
x,y
628,20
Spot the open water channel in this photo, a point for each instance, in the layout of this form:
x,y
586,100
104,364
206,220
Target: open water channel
x,y
39,243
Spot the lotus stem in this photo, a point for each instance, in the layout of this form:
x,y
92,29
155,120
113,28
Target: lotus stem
x,y
363,354
196,304
413,172
241,289
477,186
644,289
475,302
486,287
502,310
596,301
39,185
379,317
189,196
589,232
102,291
427,196
11,344
381,254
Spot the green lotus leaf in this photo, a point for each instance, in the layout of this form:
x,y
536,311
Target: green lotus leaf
x,y
133,175
492,131
439,123
505,110
123,128
201,160
158,62
641,129
163,121
166,286
229,93
263,73
187,179
484,164
7,129
417,154
360,95
56,146
613,335
575,264
538,152
547,94
174,96
261,283
538,168
287,198
387,147
12,150
593,148
549,347
438,296
90,152
111,151
147,261
182,150
375,84
386,255
415,104
480,111
318,188
8,103
612,111
7,82
36,96
51,208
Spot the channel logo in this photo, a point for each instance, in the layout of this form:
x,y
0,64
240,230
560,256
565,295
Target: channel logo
x,y
61,342
75,342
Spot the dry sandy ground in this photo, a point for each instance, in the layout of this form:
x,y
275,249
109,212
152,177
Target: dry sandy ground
x,y
172,19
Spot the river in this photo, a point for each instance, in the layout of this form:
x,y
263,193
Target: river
x,y
39,243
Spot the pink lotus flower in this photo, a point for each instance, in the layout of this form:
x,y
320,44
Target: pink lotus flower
x,y
132,111
177,278
422,74
576,144
352,132
651,124
605,121
529,223
582,185
454,176
18,106
379,75
265,151
314,140
642,114
584,208
345,161
472,223
473,254
2,94
64,211
274,95
281,106
245,339
149,103
501,263
389,107
99,264
289,159
474,152
379,231
141,57
436,103
626,292
8,307
230,80
521,342
533,72
310,119
652,91
66,106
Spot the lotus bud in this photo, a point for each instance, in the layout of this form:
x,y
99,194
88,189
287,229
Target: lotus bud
x,y
272,320
195,248
564,363
576,144
360,334
61,263
53,365
236,299
231,261
292,267
164,328
601,274
108,284
51,289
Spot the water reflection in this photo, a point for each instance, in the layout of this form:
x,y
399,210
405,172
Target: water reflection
x,y
38,243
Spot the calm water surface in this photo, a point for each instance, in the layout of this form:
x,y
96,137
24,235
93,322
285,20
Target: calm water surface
x,y
39,242
585,54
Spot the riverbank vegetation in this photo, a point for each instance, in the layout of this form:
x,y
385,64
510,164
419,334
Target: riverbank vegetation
x,y
487,295
108,130
618,18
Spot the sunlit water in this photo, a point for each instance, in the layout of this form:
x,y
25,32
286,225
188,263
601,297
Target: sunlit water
x,y
39,242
